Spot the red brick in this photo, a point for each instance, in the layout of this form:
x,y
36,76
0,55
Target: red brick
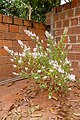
x,y
42,26
71,56
13,28
76,47
33,30
7,68
39,25
17,49
10,36
5,76
74,64
74,30
7,43
26,37
27,43
59,24
42,37
70,13
56,17
36,24
54,10
1,18
72,39
27,23
62,15
74,3
48,15
18,21
20,36
78,56
65,23
7,19
4,59
15,43
1,43
59,8
61,32
66,6
1,35
48,21
56,32
74,21
22,28
32,44
78,38
77,11
3,52
3,27
40,32
78,2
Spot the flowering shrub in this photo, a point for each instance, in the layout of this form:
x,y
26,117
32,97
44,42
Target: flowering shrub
x,y
47,66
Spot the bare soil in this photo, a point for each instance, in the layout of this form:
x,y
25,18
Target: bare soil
x,y
23,100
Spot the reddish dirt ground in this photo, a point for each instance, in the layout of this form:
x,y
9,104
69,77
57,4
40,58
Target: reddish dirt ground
x,y
23,100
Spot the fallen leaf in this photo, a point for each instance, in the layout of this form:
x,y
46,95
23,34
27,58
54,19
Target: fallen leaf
x,y
33,109
19,117
76,114
36,115
11,107
55,98
10,84
51,110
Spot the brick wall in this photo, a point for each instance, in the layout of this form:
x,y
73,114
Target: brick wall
x,y
12,29
67,15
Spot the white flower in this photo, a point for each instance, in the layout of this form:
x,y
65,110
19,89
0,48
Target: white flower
x,y
48,49
14,66
19,61
21,43
23,54
45,77
48,44
34,49
71,77
36,77
49,97
67,61
59,84
15,73
12,60
60,70
20,54
37,38
16,53
26,68
51,70
69,88
71,69
39,71
8,50
42,41
43,67
34,54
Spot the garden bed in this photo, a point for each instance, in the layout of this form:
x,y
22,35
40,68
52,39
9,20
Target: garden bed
x,y
23,100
